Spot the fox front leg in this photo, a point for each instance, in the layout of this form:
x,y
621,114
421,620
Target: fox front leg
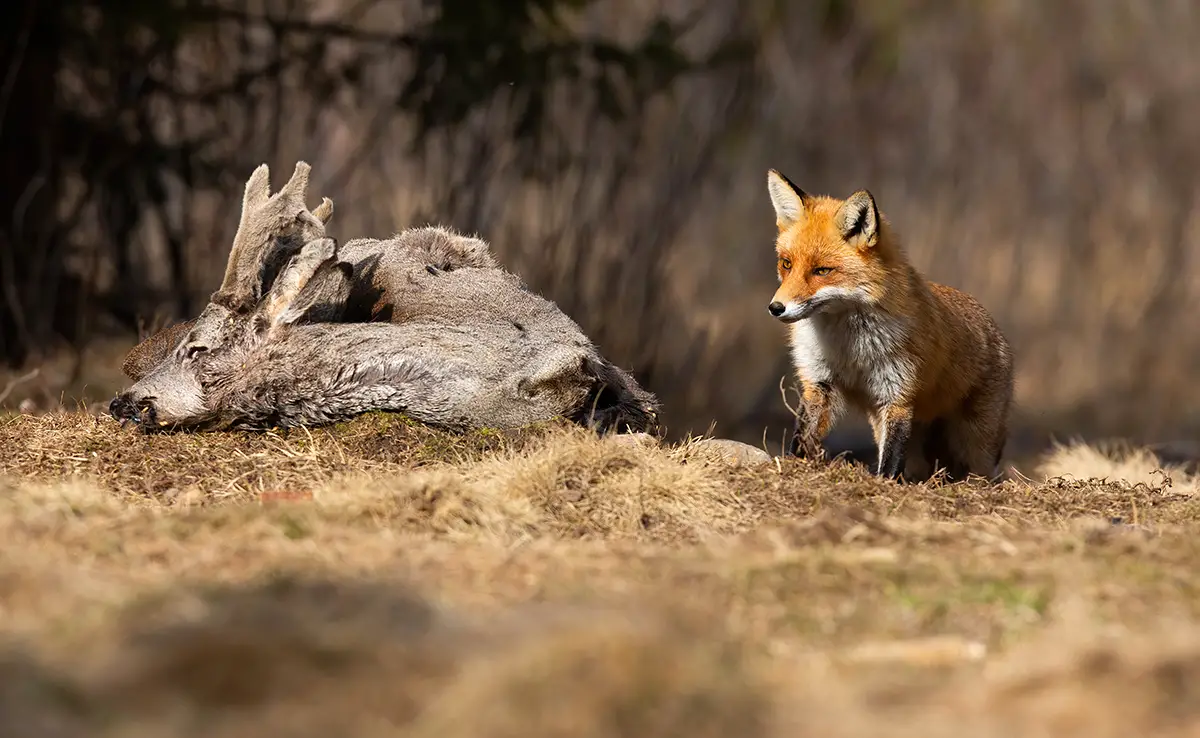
x,y
893,428
820,407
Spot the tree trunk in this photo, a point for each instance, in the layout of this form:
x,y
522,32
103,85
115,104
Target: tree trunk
x,y
30,262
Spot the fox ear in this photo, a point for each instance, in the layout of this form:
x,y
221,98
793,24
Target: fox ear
x,y
788,199
858,220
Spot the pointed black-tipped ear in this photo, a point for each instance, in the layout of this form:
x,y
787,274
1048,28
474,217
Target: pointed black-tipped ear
x,y
858,220
788,199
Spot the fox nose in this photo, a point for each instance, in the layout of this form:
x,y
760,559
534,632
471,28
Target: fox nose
x,y
776,308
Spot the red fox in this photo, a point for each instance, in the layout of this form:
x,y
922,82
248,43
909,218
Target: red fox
x,y
925,362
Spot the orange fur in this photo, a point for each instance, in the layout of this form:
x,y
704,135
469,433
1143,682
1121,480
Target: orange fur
x,y
925,362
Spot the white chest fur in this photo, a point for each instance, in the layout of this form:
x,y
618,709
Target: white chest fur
x,y
854,350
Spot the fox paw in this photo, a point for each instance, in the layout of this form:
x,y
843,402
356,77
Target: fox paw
x,y
804,446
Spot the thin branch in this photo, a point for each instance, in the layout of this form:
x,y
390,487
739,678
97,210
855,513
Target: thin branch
x,y
795,411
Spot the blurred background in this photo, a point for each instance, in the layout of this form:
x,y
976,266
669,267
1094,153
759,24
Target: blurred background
x,y
1041,154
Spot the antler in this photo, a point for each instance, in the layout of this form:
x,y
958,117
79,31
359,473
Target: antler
x,y
265,218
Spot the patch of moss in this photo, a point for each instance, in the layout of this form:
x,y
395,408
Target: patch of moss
x,y
293,528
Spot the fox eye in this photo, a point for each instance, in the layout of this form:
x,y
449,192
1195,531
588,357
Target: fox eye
x,y
194,350
785,264
822,271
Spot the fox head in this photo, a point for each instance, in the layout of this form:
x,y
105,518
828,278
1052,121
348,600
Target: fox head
x,y
831,252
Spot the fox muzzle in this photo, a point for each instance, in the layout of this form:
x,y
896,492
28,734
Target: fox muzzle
x,y
793,311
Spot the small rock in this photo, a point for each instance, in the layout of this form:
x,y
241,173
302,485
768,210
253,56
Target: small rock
x,y
734,452
635,439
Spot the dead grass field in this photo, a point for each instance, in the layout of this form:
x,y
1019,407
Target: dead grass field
x,y
379,578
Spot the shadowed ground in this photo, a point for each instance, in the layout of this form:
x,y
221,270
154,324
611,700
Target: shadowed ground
x,y
379,578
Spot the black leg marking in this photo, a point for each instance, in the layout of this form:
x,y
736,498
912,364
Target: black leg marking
x,y
940,454
896,433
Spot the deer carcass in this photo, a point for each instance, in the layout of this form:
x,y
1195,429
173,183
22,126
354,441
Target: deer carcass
x,y
304,332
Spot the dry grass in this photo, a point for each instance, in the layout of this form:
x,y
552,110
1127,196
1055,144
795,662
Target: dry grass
x,y
1118,461
380,578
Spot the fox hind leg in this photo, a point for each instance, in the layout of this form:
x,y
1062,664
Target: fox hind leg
x,y
976,438
976,449
940,454
917,467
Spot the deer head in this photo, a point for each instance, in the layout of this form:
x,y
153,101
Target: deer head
x,y
279,250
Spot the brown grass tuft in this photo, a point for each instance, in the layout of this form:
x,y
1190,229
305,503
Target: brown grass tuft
x,y
1120,462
